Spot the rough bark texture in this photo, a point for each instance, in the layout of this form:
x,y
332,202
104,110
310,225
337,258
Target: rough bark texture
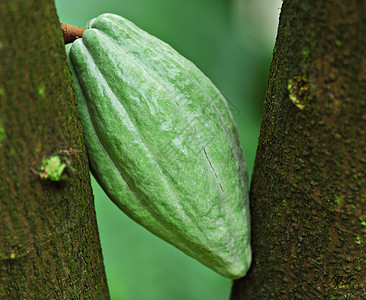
x,y
49,242
308,192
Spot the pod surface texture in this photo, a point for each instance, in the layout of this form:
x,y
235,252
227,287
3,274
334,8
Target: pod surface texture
x,y
162,142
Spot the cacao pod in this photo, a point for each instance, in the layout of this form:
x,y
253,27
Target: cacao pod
x,y
162,142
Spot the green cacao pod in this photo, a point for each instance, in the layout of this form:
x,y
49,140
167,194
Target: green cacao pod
x,y
162,142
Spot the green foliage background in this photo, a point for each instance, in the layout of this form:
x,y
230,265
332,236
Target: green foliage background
x,y
231,42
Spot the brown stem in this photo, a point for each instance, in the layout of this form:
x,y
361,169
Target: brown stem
x,y
71,32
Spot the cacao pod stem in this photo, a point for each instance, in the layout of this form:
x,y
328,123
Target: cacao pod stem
x,y
71,32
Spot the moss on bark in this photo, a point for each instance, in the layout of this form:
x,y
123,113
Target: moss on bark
x,y
308,191
49,242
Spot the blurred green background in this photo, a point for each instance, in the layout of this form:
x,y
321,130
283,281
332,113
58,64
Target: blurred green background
x,y
231,42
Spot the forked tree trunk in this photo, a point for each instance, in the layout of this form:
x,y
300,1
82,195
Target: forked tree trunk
x,y
49,243
308,192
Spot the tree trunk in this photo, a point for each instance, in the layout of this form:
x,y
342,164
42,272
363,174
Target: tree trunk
x,y
308,191
49,241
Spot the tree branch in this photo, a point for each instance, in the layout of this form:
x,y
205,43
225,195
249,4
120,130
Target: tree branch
x,y
49,241
308,190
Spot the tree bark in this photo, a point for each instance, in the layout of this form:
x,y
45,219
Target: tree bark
x,y
49,241
308,190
